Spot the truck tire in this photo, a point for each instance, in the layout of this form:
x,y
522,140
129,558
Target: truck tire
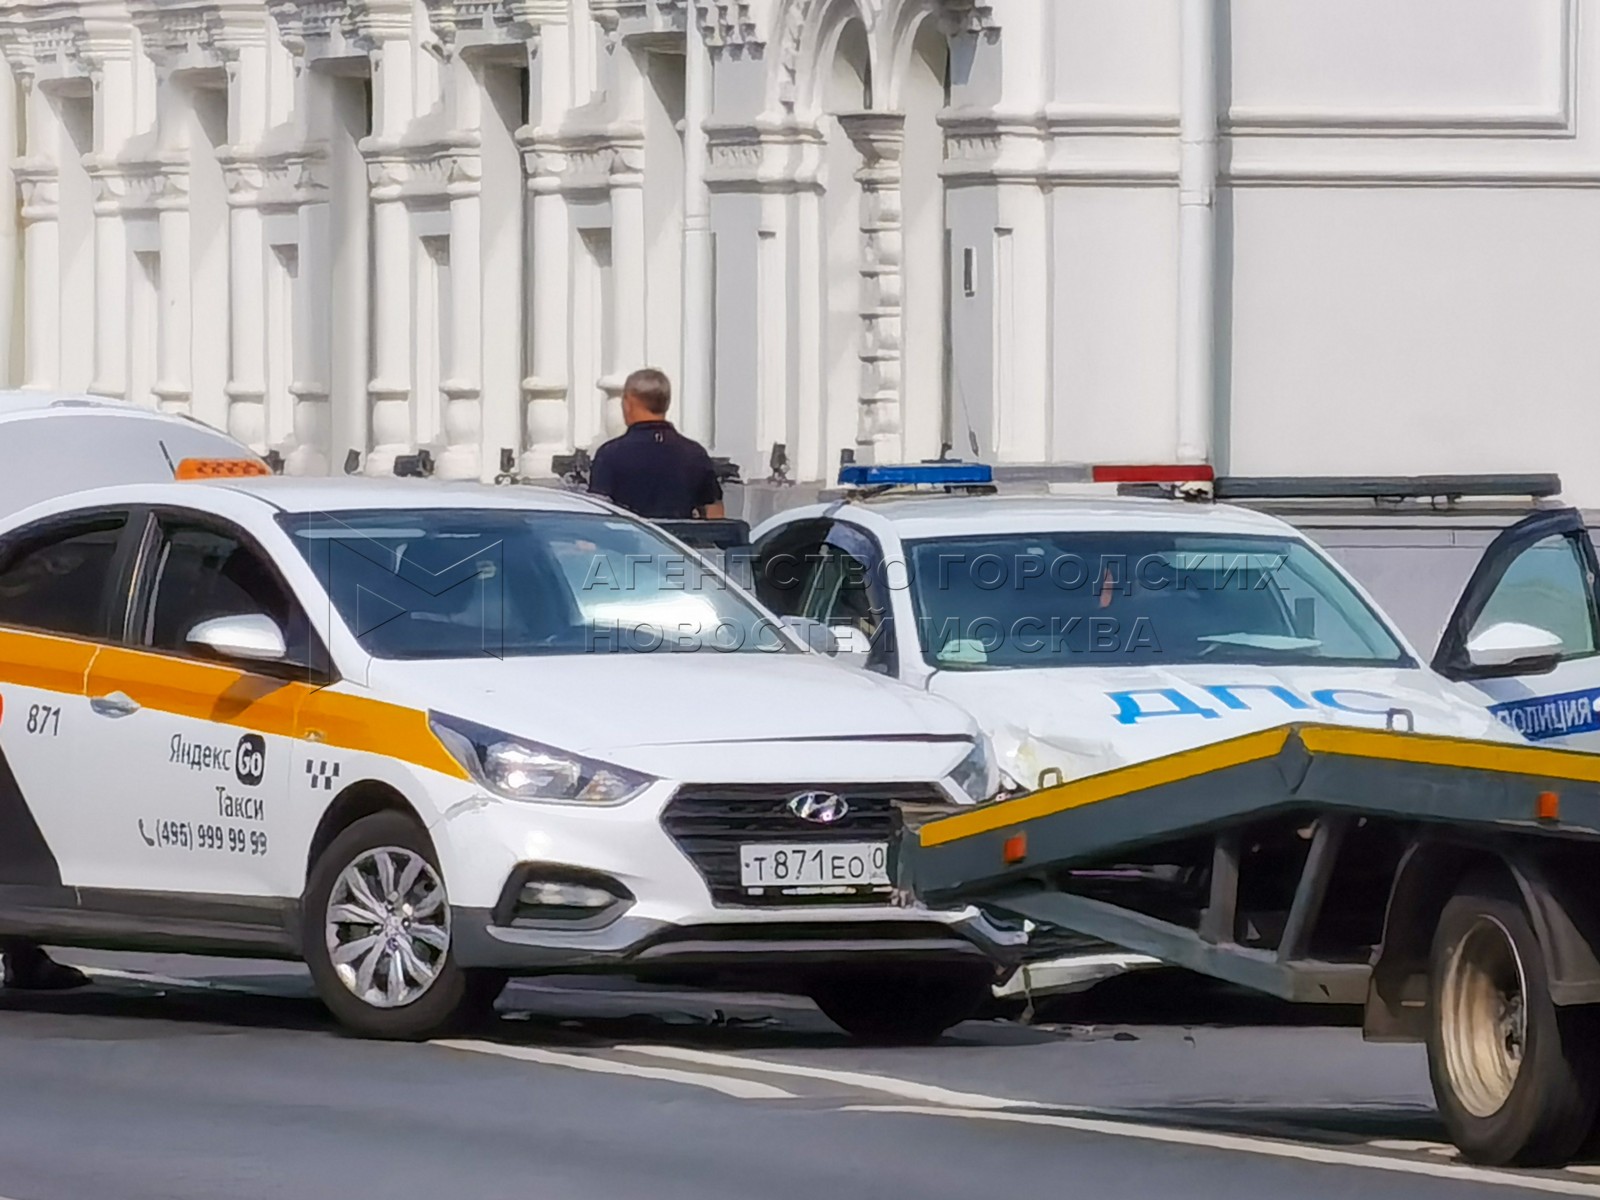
x,y
901,1006
1513,1074
377,936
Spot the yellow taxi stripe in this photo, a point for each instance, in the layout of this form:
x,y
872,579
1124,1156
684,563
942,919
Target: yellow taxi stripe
x,y
52,664
1235,752
199,690
377,727
225,695
1506,758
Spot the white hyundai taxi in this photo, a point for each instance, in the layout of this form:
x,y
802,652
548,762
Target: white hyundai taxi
x,y
426,738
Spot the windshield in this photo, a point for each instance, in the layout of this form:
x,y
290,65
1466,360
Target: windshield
x,y
460,583
1125,599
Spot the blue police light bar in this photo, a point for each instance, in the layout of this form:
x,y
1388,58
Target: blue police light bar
x,y
934,474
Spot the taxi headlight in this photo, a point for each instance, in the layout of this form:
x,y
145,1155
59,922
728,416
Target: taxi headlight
x,y
975,773
519,769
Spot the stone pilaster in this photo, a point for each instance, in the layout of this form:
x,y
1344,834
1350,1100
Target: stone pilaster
x,y
880,138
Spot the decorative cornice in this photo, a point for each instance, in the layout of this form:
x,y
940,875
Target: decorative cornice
x,y
331,28
586,161
201,33
63,40
425,171
879,136
40,188
764,157
489,22
142,186
957,17
727,23
275,181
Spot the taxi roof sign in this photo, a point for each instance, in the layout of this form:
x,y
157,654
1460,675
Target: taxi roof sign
x,y
929,474
220,468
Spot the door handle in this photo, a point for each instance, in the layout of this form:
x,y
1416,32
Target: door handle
x,y
117,704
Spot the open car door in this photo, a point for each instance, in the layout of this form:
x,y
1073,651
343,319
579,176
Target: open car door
x,y
1526,632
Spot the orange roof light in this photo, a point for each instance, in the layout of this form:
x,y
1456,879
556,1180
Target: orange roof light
x,y
220,468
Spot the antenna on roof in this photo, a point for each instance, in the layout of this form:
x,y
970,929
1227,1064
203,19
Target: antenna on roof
x,y
166,454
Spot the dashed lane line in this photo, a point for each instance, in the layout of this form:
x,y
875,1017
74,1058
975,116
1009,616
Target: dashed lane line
x,y
1241,1143
739,1089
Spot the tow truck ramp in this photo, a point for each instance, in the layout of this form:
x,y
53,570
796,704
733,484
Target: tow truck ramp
x,y
1333,865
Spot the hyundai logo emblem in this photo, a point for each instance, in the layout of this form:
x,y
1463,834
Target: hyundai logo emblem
x,y
820,808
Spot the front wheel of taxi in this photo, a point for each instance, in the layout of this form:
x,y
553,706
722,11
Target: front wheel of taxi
x,y
377,935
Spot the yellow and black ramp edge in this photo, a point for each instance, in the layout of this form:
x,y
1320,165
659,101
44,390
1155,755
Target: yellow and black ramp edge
x,y
1317,768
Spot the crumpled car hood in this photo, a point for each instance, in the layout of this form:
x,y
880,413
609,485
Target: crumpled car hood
x,y
1081,721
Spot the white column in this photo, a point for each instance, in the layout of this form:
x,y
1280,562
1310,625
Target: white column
x,y
110,288
10,222
313,337
389,391
546,389
37,176
462,419
628,291
247,382
172,350
41,254
1197,234
880,137
696,390
548,414
247,387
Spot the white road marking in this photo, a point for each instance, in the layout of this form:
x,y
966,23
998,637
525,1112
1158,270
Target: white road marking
x,y
927,1093
739,1089
1250,1145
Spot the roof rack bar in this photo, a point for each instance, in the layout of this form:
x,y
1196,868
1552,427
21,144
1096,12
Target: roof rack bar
x,y
1385,487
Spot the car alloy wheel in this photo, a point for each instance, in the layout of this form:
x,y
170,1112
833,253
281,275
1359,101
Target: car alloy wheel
x,y
388,927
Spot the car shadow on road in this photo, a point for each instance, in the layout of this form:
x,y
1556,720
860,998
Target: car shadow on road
x,y
132,1005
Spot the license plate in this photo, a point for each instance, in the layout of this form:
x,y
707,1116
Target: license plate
x,y
812,869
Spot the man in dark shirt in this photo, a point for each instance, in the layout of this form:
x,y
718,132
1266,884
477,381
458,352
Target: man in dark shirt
x,y
652,469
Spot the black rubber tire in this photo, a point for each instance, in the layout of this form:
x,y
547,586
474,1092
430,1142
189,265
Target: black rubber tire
x,y
903,1006
458,999
1551,1108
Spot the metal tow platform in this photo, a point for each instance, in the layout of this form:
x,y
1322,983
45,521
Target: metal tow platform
x,y
1018,857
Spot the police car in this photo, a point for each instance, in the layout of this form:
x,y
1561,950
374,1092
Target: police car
x,y
1090,632
427,737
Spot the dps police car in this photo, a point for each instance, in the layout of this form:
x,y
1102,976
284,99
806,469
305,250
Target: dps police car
x,y
1090,632
426,738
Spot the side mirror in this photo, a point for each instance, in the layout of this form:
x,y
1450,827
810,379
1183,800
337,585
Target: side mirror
x,y
248,636
854,647
1512,648
817,637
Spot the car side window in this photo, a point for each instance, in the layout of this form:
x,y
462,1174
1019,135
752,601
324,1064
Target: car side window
x,y
785,564
1546,586
59,579
201,572
837,592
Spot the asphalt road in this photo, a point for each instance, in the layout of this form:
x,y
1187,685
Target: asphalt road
x,y
178,1078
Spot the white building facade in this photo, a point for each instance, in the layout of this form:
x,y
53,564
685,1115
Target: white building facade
x,y
1283,236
